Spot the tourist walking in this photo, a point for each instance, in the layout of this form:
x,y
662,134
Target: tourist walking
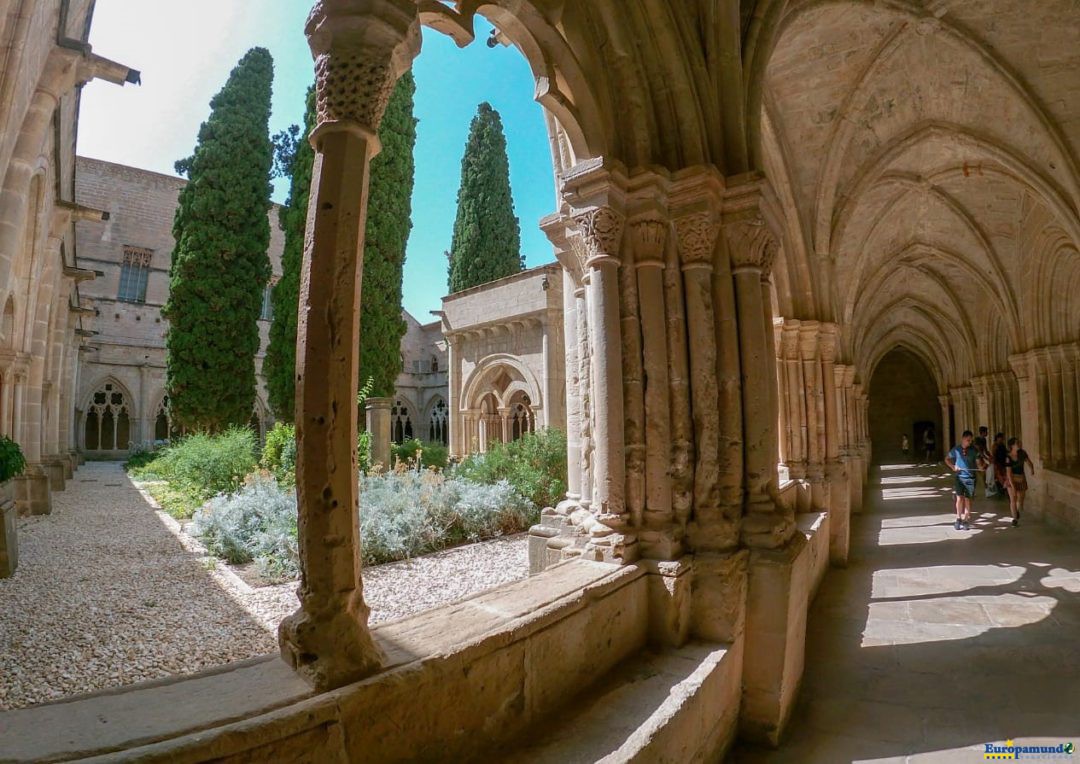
x,y
1017,486
1000,453
929,444
965,460
904,445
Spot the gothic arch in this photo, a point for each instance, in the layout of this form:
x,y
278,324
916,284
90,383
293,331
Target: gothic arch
x,y
520,377
109,416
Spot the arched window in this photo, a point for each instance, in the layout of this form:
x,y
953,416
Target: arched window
x,y
401,427
108,422
521,416
163,423
438,427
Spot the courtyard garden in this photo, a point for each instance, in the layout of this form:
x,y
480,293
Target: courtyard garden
x,y
241,505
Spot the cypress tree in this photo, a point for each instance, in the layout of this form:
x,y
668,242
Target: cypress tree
x,y
386,234
219,263
279,366
388,225
487,240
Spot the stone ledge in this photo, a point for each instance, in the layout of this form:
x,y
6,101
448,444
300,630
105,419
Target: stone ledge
x,y
125,717
677,705
517,651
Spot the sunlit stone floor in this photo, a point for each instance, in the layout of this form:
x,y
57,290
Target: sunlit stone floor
x,y
934,642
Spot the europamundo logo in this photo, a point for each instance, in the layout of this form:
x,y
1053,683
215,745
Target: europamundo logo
x,y
1010,750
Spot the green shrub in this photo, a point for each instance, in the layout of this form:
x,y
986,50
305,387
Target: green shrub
x,y
279,453
405,513
12,462
431,454
138,459
258,523
197,468
535,465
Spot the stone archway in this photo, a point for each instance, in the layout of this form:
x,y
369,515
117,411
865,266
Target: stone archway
x,y
108,420
903,399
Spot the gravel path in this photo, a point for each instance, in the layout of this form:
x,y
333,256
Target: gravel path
x,y
110,592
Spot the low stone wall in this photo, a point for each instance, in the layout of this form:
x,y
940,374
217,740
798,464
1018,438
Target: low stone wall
x,y
458,682
815,526
1057,500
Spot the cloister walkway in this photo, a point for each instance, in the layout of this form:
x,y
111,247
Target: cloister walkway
x,y
934,642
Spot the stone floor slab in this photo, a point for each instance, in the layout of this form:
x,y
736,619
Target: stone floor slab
x,y
934,642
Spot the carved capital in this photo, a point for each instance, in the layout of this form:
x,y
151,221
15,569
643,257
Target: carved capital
x,y
601,232
360,49
697,234
808,339
789,339
751,245
649,237
828,342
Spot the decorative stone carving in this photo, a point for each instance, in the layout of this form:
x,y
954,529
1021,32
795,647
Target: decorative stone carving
x,y
601,231
751,244
649,237
352,87
359,51
697,234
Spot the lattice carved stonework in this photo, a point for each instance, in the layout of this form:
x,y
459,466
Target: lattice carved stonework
x,y
601,229
137,256
751,245
697,234
353,86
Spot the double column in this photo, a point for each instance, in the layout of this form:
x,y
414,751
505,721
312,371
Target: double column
x,y
359,51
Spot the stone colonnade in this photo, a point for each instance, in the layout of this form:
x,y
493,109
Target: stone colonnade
x,y
824,441
1049,392
38,278
991,400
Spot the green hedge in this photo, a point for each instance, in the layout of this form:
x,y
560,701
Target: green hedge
x,y
535,465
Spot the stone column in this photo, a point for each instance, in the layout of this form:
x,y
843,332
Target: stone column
x,y
458,437
837,489
796,403
601,231
855,463
815,415
573,399
1070,412
776,603
1057,418
377,422
584,392
657,535
359,50
751,248
946,428
697,234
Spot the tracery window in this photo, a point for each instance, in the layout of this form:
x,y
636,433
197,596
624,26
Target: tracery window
x,y
401,427
521,418
134,273
108,421
163,424
438,427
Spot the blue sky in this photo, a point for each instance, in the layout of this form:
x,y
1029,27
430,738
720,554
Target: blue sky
x,y
185,51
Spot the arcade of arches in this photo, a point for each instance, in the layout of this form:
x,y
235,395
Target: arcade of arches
x,y
762,206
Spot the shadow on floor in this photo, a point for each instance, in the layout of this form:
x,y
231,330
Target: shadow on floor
x,y
935,642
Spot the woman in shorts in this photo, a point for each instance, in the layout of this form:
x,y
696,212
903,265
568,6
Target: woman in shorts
x,y
1017,485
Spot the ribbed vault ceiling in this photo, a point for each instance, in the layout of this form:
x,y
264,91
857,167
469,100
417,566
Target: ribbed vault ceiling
x,y
926,155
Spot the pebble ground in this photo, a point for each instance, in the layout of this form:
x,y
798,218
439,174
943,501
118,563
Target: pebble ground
x,y
109,591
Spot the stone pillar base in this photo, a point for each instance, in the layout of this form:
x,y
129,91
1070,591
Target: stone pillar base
x,y
32,494
668,585
54,468
839,516
718,610
72,459
378,424
9,531
855,484
778,590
